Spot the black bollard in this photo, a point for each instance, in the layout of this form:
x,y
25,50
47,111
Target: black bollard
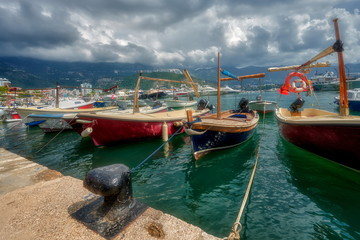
x,y
116,208
113,182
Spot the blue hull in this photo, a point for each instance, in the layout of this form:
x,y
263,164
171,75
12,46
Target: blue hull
x,y
354,105
213,140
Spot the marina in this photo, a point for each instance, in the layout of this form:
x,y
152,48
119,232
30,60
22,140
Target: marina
x,y
295,195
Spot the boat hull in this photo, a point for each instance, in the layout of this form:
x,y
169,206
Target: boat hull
x,y
106,130
50,123
179,103
216,140
263,106
336,140
213,133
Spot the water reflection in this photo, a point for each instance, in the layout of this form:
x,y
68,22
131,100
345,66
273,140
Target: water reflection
x,y
333,188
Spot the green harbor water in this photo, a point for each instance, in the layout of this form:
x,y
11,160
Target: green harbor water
x,y
295,194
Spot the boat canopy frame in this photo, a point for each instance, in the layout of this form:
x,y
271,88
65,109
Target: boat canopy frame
x,y
186,73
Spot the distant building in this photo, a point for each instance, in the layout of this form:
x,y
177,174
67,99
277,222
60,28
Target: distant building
x,y
4,82
86,88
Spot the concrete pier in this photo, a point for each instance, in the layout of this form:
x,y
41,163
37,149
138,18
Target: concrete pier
x,y
34,202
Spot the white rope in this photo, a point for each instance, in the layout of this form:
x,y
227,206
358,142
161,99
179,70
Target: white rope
x,y
237,227
235,232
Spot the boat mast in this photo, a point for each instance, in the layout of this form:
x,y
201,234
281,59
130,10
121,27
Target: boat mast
x,y
218,90
343,104
57,95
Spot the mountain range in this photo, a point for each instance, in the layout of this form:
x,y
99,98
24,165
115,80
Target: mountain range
x,y
35,73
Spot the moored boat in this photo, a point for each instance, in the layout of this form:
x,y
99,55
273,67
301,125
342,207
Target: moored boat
x,y
223,129
353,99
330,135
177,103
55,122
24,112
263,106
106,129
9,115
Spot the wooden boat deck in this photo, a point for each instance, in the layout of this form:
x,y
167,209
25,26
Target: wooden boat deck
x,y
314,116
227,123
151,117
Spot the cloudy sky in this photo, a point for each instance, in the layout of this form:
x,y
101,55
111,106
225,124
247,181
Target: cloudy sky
x,y
178,32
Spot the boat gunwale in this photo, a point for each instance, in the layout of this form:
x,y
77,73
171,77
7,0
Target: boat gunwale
x,y
141,117
331,118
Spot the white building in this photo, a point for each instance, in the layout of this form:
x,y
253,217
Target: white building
x,y
86,88
4,82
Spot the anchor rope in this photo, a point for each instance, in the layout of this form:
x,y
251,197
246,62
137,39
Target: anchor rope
x,y
237,227
55,135
152,154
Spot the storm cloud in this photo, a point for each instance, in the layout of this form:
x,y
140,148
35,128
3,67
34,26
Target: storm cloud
x,y
177,33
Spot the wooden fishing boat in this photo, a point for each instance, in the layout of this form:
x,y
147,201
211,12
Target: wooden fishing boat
x,y
25,112
55,122
223,129
330,135
106,129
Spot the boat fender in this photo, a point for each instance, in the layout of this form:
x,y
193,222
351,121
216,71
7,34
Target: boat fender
x,y
165,133
87,132
81,121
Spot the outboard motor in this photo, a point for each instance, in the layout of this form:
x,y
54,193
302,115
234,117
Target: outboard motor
x,y
202,104
244,106
298,103
157,104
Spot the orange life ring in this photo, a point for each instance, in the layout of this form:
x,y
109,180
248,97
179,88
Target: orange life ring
x,y
305,85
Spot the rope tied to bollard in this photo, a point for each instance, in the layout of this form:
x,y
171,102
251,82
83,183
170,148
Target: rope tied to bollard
x,y
235,232
152,154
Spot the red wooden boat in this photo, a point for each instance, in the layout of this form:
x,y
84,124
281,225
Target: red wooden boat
x,y
330,135
106,129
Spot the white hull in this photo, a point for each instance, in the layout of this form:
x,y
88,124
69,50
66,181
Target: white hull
x,y
263,106
179,103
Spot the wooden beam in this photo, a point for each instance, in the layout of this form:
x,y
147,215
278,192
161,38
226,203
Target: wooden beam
x,y
258,75
343,104
193,85
314,65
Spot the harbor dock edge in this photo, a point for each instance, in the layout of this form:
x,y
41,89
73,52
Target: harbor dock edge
x,y
34,203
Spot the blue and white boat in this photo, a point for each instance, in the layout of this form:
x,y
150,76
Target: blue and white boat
x,y
223,129
353,99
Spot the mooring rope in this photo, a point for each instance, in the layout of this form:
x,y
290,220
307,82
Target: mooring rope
x,y
235,232
56,135
237,227
152,154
